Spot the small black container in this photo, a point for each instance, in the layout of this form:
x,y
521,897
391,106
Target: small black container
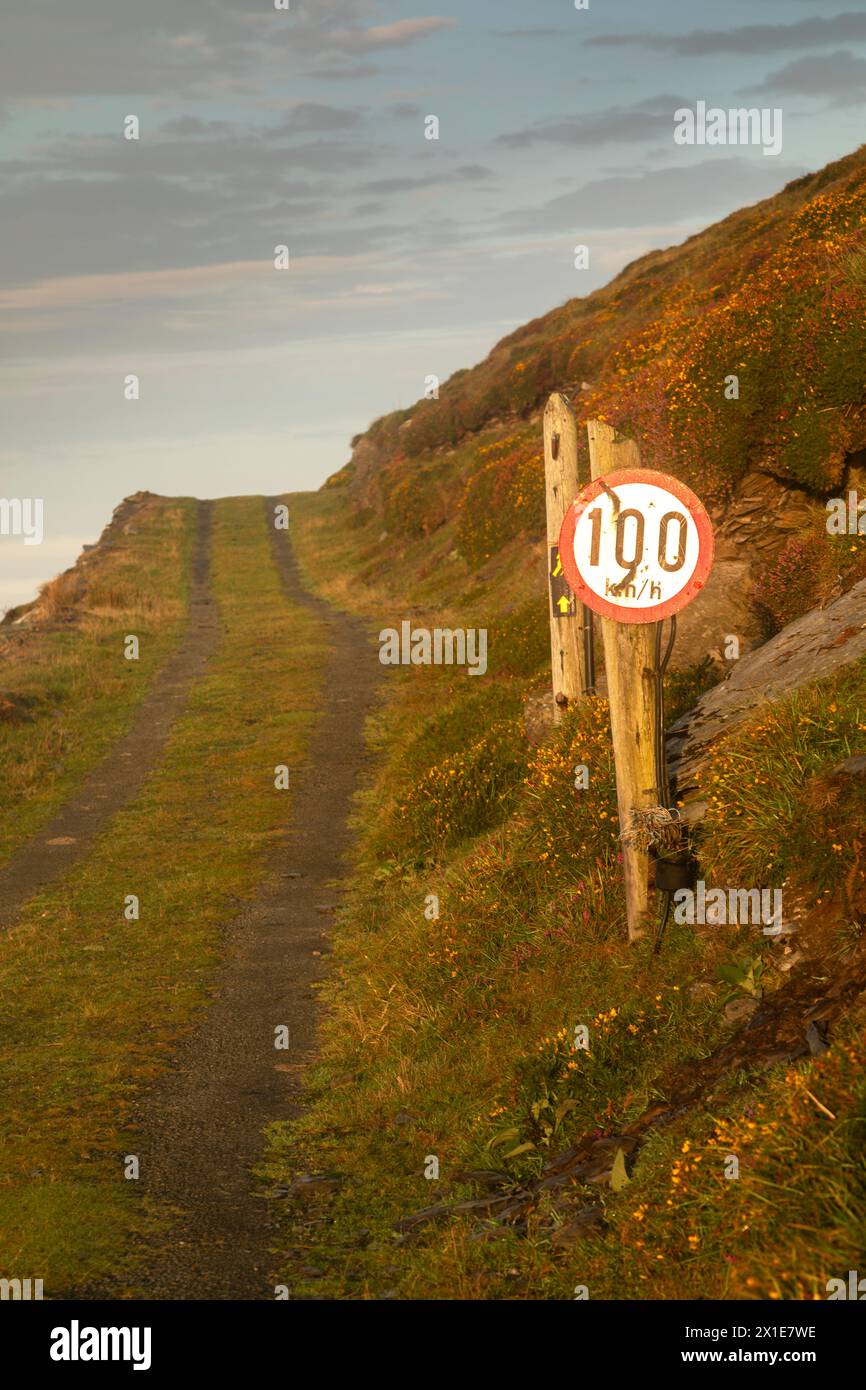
x,y
680,872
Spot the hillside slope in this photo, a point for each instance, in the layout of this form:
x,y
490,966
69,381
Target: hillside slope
x,y
486,921
449,1034
457,1137
774,295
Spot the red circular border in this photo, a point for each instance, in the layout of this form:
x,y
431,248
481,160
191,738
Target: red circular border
x,y
706,546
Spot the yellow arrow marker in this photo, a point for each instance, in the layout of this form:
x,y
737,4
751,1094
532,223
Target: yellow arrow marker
x,y
558,569
563,604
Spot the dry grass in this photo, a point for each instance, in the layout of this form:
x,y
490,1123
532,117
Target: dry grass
x,y
60,595
64,693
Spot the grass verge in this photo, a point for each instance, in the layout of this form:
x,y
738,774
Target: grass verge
x,y
483,930
65,697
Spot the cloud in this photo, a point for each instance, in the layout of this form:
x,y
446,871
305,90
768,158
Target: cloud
x,y
673,194
171,46
383,36
346,74
837,75
314,116
180,282
397,185
751,38
473,172
144,219
465,173
530,33
271,150
617,125
183,48
189,127
190,190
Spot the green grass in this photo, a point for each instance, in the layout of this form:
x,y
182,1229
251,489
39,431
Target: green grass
x,y
773,810
78,696
93,1003
453,1035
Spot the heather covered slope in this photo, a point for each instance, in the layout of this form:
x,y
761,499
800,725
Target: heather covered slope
x,y
453,1036
774,295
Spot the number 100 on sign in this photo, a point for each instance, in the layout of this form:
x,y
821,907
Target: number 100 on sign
x,y
636,545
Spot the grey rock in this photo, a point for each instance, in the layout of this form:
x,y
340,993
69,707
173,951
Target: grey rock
x,y
851,767
739,1009
816,645
816,1037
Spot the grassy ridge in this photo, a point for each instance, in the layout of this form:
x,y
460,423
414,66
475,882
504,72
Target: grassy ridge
x,y
92,1002
65,695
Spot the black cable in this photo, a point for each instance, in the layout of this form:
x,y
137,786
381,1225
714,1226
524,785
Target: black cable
x,y
671,639
662,781
661,665
589,651
659,699
661,931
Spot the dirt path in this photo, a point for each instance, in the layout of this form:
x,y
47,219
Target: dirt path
x,y
119,777
201,1128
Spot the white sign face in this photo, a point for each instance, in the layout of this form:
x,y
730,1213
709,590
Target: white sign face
x,y
636,546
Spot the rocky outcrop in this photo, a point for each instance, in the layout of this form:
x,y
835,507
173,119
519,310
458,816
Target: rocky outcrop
x,y
74,579
814,646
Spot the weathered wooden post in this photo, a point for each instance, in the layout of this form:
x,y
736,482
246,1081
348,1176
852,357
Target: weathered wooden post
x,y
636,546
629,662
568,618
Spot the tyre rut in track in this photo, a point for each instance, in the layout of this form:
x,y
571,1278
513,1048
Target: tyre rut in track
x,y
200,1127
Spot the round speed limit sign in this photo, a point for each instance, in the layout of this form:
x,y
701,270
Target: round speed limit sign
x,y
636,545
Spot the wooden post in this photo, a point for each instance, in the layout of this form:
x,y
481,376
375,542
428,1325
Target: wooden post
x,y
567,616
629,659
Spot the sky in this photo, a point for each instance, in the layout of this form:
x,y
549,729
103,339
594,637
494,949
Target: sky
x,y
307,127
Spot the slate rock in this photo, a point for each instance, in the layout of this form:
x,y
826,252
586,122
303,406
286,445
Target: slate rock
x,y
739,1009
816,1037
